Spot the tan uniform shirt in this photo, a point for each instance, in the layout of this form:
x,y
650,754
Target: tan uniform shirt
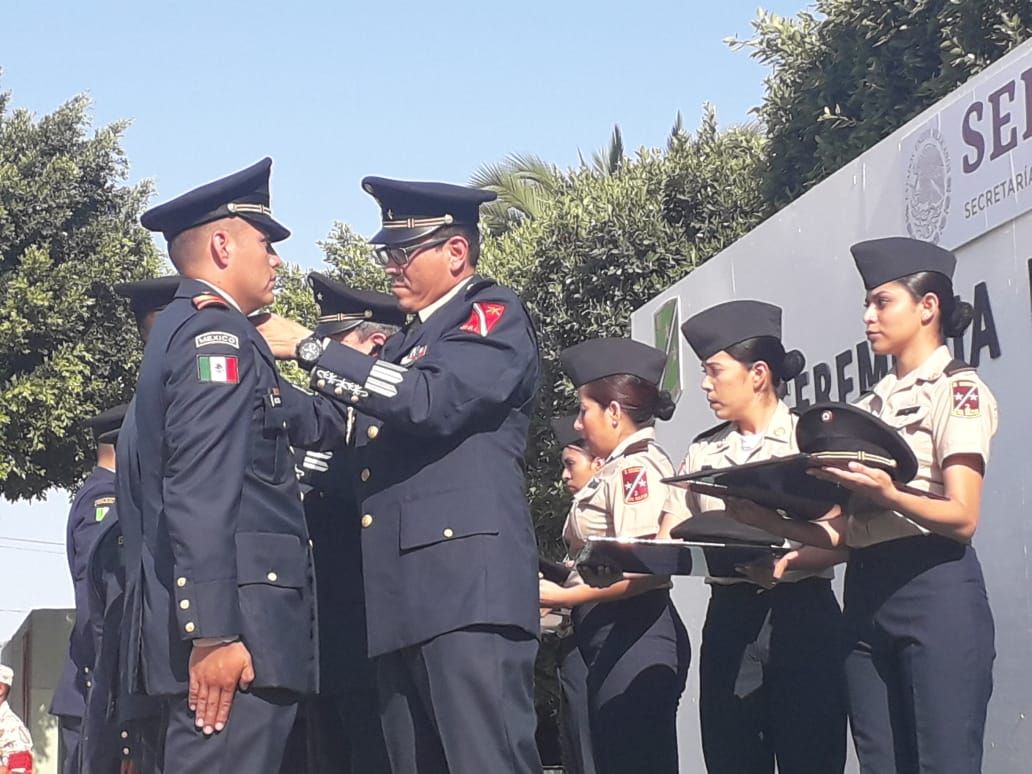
x,y
626,497
14,736
938,415
728,447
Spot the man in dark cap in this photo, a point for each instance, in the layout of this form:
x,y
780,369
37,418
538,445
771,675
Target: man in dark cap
x,y
147,297
219,590
343,721
448,551
93,503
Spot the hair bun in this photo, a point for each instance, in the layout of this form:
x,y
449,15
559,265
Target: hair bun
x,y
959,318
664,405
792,365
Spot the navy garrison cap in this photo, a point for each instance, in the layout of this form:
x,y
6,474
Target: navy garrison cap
x,y
411,210
106,424
342,308
723,325
149,295
243,194
840,432
598,358
565,434
891,258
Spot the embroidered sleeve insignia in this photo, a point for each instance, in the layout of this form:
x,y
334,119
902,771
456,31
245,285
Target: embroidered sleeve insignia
x,y
204,300
635,484
483,318
965,399
221,369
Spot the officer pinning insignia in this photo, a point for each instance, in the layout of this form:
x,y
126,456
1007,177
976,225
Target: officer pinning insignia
x,y
217,337
218,369
635,484
483,318
965,399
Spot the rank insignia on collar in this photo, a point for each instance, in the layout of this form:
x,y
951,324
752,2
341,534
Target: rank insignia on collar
x,y
414,354
635,484
484,316
965,399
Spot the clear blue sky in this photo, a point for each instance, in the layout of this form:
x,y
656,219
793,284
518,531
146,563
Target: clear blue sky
x,y
334,91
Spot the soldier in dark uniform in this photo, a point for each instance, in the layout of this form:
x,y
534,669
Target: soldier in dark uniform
x,y
117,726
343,721
448,551
94,501
219,600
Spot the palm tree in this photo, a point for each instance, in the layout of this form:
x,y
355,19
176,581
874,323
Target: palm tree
x,y
525,183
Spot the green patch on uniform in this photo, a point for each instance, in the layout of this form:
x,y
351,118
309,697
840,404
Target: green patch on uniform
x,y
219,369
101,506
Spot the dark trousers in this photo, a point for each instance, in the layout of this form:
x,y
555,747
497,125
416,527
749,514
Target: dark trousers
x,y
69,733
253,740
771,682
343,734
919,670
637,654
462,703
574,711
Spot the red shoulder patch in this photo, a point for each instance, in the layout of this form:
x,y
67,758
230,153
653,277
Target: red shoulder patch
x,y
204,300
635,484
965,399
483,318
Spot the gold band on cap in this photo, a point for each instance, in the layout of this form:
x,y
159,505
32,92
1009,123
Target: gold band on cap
x,y
260,209
444,220
344,317
854,456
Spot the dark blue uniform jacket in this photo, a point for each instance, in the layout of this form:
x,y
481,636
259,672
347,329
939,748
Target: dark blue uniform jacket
x,y
447,540
215,537
95,498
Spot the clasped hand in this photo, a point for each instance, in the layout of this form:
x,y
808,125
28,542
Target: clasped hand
x,y
216,672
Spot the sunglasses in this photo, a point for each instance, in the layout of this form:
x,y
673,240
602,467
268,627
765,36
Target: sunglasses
x,y
400,256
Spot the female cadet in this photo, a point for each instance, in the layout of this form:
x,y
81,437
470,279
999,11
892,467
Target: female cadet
x,y
579,466
919,673
632,639
770,687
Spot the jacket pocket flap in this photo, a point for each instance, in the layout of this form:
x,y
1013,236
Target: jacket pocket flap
x,y
272,558
448,516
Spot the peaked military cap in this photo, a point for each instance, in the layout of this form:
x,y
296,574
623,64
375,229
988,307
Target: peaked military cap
x,y
891,258
565,433
106,424
598,358
243,194
831,432
411,210
341,308
724,325
149,295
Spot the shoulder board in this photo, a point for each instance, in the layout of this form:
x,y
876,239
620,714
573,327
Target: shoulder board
x,y
100,501
956,367
478,284
204,300
637,448
711,432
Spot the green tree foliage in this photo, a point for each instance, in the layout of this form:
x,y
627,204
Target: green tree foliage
x,y
606,244
847,76
68,345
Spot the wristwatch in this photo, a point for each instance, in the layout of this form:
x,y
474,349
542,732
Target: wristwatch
x,y
309,350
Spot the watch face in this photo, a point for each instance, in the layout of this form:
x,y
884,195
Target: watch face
x,y
309,351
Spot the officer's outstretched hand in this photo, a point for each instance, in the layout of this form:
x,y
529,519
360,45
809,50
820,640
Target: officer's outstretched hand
x,y
215,673
281,334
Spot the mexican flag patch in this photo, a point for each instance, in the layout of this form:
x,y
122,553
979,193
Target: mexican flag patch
x,y
217,368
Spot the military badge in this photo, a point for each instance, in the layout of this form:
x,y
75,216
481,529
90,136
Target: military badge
x,y
483,318
635,484
216,337
101,506
414,354
965,399
221,369
204,300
